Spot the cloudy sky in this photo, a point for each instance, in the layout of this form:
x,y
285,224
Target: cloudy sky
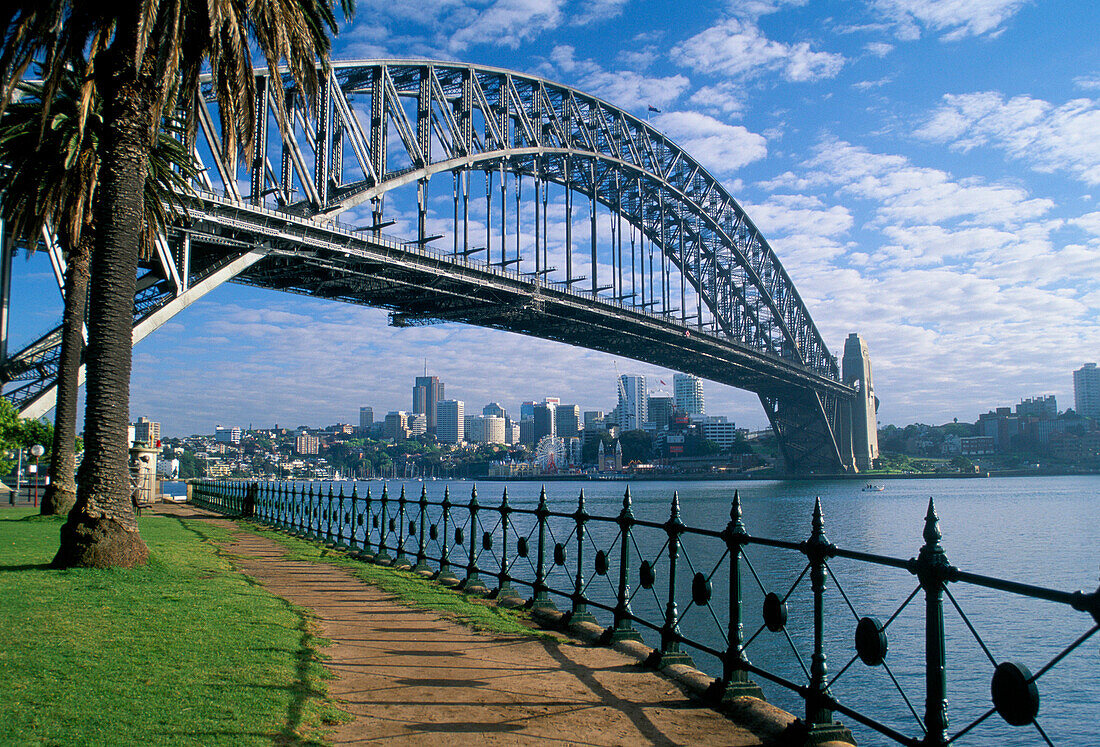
x,y
924,169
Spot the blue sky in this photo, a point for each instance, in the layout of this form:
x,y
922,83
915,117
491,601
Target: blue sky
x,y
924,169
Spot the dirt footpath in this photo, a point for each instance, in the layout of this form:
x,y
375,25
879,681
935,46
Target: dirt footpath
x,y
410,677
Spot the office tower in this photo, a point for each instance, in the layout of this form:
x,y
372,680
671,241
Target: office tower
x,y
544,420
427,392
688,394
494,410
482,429
660,410
1086,391
527,411
148,432
633,402
366,418
527,432
221,435
567,421
396,426
418,425
450,421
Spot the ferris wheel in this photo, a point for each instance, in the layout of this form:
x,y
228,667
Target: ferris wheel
x,y
550,454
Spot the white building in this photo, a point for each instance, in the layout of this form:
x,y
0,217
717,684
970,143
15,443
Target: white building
x,y
1086,391
633,402
450,427
687,391
484,429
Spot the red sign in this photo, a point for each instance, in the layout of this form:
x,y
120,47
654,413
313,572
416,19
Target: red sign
x,y
676,449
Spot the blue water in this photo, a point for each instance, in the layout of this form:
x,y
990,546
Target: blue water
x,y
1041,531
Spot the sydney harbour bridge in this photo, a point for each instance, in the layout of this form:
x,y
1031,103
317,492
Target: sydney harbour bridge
x,y
562,217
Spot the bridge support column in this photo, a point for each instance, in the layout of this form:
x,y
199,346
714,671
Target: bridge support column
x,y
856,372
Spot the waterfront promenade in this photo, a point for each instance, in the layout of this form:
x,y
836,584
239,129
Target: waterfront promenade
x,y
408,676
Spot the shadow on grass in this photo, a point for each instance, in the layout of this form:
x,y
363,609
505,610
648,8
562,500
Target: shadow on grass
x,y
302,689
25,567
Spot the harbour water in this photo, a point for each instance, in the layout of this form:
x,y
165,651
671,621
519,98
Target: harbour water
x,y
1040,531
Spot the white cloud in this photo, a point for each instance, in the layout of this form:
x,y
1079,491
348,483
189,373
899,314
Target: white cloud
x,y
593,11
879,49
955,19
508,23
725,97
720,147
739,49
628,89
1048,137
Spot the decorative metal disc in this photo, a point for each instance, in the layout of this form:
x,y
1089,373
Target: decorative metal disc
x,y
433,532
559,554
775,612
459,536
601,562
700,589
521,547
871,644
1015,696
645,573
487,540
412,528
393,525
374,521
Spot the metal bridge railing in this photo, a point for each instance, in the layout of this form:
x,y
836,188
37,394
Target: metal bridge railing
x,y
662,577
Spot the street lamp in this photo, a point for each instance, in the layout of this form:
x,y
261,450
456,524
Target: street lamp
x,y
36,451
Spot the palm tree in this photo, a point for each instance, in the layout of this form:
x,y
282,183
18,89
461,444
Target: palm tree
x,y
145,58
51,180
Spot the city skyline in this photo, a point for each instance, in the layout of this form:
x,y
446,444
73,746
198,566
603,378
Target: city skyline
x,y
924,172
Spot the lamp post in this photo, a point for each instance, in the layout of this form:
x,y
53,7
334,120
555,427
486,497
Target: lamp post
x,y
36,451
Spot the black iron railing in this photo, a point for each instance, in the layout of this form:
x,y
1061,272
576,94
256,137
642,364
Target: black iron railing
x,y
492,546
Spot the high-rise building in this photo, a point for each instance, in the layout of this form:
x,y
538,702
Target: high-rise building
x,y
527,411
567,421
1086,391
307,444
427,392
148,432
418,425
484,429
633,402
494,410
1043,408
396,426
687,392
450,421
593,420
366,418
660,410
544,420
223,435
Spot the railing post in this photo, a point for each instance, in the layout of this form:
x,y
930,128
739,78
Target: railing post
x,y
382,556
329,539
623,629
472,579
366,553
735,680
421,547
819,716
311,518
542,599
355,518
932,570
445,575
340,517
504,585
401,561
670,632
580,613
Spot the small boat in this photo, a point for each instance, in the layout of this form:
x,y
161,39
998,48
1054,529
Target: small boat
x,y
871,488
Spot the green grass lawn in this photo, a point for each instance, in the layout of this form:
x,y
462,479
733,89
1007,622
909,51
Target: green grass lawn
x,y
183,651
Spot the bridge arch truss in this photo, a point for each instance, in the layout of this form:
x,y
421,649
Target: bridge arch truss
x,y
710,297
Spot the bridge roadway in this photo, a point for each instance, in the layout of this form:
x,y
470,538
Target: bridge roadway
x,y
421,285
410,676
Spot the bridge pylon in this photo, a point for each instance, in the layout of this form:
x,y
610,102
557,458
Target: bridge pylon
x,y
863,408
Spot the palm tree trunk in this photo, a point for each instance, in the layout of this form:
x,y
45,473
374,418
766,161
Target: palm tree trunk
x,y
101,530
61,492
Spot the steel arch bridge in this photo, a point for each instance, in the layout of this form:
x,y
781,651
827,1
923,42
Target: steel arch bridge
x,y
647,255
